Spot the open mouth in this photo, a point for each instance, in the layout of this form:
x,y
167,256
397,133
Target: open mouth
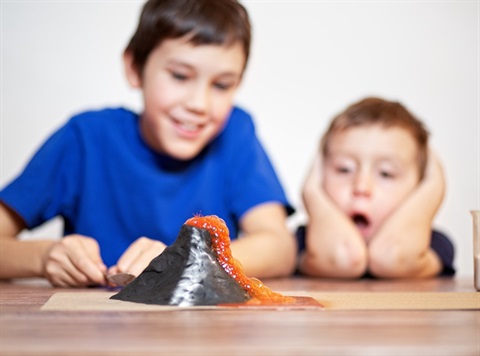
x,y
361,221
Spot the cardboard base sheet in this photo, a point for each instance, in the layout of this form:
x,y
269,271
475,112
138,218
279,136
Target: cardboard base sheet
x,y
99,301
398,300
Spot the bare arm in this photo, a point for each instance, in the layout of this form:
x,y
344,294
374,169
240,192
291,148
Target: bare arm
x,y
334,247
73,261
401,248
18,259
267,249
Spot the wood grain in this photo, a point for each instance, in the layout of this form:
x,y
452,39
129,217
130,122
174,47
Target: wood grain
x,y
25,329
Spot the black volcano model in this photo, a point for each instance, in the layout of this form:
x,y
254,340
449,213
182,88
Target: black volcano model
x,y
185,273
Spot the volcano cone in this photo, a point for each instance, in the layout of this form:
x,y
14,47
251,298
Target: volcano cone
x,y
185,273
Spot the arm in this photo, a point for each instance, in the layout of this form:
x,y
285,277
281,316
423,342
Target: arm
x,y
334,247
18,259
73,261
267,248
401,248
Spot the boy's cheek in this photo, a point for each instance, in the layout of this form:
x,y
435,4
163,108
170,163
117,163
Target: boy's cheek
x,y
392,197
338,193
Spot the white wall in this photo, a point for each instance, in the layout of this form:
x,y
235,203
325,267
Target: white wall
x,y
310,59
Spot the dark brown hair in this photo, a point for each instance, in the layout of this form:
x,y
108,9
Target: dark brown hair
x,y
377,111
222,22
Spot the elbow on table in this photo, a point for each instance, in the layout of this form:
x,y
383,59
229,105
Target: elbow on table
x,y
350,263
284,263
284,267
391,262
342,263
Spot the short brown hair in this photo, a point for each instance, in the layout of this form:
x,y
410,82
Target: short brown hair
x,y
208,22
373,111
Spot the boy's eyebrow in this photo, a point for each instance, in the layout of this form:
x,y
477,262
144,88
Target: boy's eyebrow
x,y
176,62
380,158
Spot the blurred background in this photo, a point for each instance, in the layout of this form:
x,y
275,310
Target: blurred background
x,y
309,60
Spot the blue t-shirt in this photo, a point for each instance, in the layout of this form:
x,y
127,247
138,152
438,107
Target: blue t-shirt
x,y
99,175
439,243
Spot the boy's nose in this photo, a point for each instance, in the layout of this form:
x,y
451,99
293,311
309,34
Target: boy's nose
x,y
197,100
362,185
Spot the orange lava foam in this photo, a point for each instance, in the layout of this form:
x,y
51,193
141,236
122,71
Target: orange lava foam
x,y
221,244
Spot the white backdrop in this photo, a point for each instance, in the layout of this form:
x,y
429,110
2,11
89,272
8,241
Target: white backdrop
x,y
309,60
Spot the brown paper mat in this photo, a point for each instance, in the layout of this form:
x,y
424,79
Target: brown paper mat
x,y
398,300
99,301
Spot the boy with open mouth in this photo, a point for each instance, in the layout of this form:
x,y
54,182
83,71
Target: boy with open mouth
x,y
371,197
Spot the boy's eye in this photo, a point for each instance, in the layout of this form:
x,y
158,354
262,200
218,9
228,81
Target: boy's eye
x,y
222,86
387,174
179,76
342,166
343,170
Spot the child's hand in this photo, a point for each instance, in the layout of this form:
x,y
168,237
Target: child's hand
x,y
74,261
434,169
335,247
138,255
401,247
313,193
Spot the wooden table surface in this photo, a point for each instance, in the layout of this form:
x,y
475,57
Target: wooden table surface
x,y
26,330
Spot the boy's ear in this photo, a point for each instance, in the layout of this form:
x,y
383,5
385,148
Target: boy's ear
x,y
131,71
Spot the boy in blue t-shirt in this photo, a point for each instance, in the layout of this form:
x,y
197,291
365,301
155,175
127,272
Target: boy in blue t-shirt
x,y
371,197
124,183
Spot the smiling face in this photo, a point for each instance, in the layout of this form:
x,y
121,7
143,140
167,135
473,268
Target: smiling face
x,y
368,171
188,94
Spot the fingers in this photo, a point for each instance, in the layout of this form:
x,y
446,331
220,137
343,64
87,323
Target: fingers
x,y
314,173
434,165
93,267
139,255
113,270
75,262
313,180
316,169
61,272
